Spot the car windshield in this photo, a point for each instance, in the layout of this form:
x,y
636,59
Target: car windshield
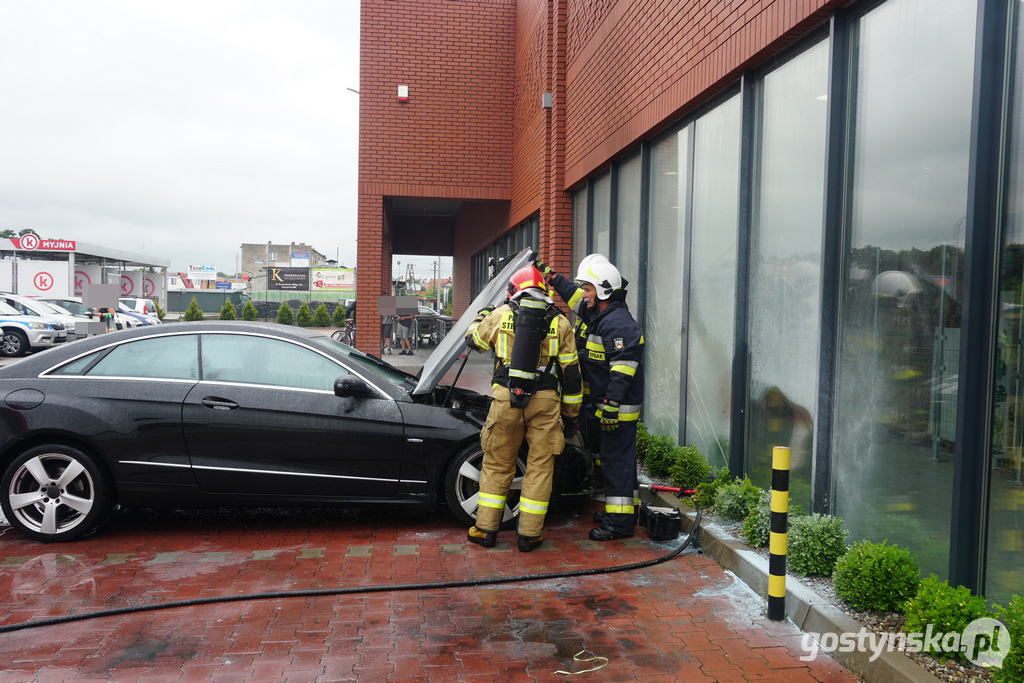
x,y
51,308
377,367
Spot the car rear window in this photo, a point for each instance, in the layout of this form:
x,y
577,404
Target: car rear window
x,y
171,357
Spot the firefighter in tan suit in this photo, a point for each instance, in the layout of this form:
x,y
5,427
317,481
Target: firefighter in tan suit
x,y
536,394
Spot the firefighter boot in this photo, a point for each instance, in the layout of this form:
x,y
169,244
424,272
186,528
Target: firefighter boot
x,y
528,543
485,538
613,526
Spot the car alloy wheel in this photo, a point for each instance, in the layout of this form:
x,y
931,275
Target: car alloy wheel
x,y
14,343
54,493
462,487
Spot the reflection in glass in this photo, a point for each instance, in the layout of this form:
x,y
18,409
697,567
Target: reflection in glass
x,y
602,228
785,266
713,281
665,262
579,227
1004,575
900,320
627,227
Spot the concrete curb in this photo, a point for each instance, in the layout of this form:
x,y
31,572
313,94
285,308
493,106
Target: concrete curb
x,y
810,612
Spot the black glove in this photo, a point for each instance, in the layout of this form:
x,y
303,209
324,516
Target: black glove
x,y
569,426
544,269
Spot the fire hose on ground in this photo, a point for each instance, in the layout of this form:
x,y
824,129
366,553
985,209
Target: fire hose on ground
x,y
662,524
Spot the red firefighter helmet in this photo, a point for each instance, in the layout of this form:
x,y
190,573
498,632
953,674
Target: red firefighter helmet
x,y
525,278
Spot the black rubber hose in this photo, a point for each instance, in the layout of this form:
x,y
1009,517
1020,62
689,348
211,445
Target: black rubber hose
x,y
317,592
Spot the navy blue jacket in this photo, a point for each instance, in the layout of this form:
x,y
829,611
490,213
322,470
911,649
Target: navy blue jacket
x,y
612,355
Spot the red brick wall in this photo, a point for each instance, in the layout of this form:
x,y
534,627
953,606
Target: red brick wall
x,y
635,66
476,226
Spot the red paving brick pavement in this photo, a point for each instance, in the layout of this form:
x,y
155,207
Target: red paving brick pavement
x,y
685,619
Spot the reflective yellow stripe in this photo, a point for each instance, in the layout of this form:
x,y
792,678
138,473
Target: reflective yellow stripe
x,y
521,375
574,398
478,340
575,300
535,507
568,358
488,500
624,369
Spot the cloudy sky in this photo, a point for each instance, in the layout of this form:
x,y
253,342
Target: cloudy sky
x,y
181,128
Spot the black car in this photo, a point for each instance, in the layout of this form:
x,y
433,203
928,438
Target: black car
x,y
227,414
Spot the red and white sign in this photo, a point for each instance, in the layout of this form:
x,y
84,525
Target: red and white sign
x,y
148,286
43,278
30,242
131,283
85,276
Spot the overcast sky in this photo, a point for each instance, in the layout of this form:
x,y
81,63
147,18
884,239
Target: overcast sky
x,y
181,128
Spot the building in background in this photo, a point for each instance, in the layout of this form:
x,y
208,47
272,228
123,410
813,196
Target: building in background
x,y
817,203
257,257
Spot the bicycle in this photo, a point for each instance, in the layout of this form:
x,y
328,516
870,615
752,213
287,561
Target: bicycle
x,y
347,334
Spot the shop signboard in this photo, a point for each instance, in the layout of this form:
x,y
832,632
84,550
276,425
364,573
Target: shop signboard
x,y
43,278
288,279
333,280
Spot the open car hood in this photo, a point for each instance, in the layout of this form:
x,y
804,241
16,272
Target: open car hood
x,y
454,343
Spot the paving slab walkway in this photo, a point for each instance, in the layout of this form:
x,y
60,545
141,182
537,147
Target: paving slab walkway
x,y
686,619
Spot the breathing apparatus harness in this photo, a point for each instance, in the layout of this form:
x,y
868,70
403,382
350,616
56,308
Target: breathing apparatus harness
x,y
531,321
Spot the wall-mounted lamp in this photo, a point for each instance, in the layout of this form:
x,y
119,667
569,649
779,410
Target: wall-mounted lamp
x,y
403,93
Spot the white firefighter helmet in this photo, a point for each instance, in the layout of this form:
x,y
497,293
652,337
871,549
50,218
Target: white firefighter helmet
x,y
587,260
603,275
898,285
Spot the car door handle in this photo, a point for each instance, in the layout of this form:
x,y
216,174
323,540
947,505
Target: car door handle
x,y
219,403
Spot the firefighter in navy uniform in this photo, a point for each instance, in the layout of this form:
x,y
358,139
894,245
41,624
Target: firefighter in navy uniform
x,y
536,394
612,363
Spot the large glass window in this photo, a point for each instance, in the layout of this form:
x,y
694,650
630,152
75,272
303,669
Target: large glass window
x,y
896,389
627,227
602,228
785,266
665,263
712,304
1004,574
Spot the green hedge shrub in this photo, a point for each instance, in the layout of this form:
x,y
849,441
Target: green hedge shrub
x,y
249,311
284,314
814,543
339,316
705,496
320,316
643,441
1012,616
227,311
660,455
757,525
160,313
876,576
304,317
689,468
193,312
736,499
947,609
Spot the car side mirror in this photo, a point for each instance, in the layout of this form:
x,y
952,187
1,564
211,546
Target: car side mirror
x,y
350,386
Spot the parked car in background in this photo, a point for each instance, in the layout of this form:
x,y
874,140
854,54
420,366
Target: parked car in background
x,y
20,333
36,307
141,306
431,326
73,305
133,319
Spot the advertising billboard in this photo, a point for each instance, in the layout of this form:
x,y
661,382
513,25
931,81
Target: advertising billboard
x,y
288,279
333,280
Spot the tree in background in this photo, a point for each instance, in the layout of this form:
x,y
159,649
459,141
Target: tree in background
x,y
284,314
249,311
339,315
227,311
193,312
320,317
304,318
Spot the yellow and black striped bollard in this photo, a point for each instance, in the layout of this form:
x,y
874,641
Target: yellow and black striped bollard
x,y
777,538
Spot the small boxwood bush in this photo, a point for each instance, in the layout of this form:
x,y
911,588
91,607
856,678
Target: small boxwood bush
x,y
689,468
304,317
1012,616
320,316
227,311
660,455
757,525
876,576
947,609
814,543
193,312
249,311
643,441
705,496
736,499
284,314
